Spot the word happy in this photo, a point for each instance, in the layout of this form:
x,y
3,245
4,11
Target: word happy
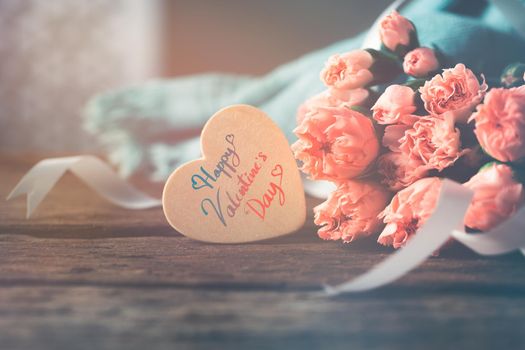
x,y
228,202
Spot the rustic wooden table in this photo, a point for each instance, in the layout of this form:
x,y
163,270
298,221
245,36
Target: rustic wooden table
x,y
83,274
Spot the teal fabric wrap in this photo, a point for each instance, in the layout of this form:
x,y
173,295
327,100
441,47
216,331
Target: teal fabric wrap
x,y
133,122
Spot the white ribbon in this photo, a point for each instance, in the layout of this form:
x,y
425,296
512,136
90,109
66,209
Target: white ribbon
x,y
95,173
448,216
453,203
445,223
505,238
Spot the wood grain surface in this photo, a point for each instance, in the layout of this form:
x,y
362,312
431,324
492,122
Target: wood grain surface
x,y
84,274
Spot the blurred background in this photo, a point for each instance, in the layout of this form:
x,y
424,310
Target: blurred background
x,y
55,54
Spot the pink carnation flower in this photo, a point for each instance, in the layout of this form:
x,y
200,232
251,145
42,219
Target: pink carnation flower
x,y
431,141
457,91
420,62
351,211
335,143
398,171
332,98
408,211
500,124
395,105
497,196
349,98
395,30
348,71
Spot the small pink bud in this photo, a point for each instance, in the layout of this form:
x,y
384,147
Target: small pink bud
x,y
420,62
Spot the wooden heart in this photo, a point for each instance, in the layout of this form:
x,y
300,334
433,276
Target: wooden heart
x,y
245,188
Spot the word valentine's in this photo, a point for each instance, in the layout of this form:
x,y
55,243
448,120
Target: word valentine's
x,y
228,168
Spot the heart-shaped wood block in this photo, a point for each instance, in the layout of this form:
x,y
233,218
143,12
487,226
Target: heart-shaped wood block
x,y
246,187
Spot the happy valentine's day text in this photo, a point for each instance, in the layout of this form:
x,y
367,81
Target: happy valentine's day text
x,y
228,165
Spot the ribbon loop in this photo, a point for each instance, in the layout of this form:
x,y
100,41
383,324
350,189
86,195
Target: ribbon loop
x,y
453,203
95,173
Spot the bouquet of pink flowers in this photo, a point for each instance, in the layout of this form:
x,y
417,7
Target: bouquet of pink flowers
x,y
387,147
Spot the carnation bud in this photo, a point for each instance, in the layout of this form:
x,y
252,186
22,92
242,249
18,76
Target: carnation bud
x,y
398,34
497,196
513,75
420,62
517,170
349,70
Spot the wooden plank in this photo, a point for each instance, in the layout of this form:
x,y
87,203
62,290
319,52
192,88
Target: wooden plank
x,y
164,318
179,262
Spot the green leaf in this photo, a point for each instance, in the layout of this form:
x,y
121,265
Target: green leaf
x,y
362,110
415,84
